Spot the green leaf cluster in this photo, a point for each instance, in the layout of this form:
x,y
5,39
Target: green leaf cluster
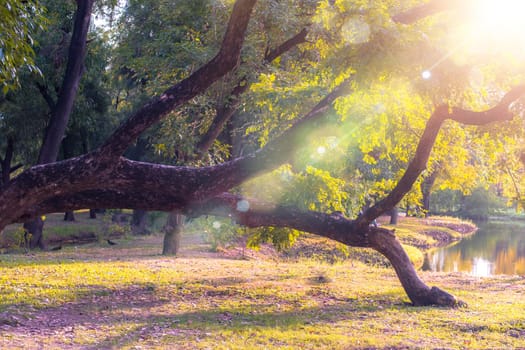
x,y
20,22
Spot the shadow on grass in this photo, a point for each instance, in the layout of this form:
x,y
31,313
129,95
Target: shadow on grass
x,y
188,312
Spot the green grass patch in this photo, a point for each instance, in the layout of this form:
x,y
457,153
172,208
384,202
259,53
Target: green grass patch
x,y
128,296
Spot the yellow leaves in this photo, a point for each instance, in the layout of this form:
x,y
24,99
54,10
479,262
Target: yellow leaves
x,y
369,159
161,148
325,15
264,83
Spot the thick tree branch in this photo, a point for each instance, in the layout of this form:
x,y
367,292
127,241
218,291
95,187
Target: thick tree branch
x,y
498,113
418,164
225,61
253,213
228,108
97,175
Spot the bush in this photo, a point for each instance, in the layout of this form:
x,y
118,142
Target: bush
x,y
480,204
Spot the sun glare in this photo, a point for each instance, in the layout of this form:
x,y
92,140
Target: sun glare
x,y
499,23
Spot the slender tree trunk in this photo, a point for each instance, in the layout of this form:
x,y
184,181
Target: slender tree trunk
x,y
64,105
426,190
6,162
68,144
139,222
394,215
173,233
69,216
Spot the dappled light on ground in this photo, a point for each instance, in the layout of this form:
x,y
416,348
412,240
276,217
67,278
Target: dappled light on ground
x,y
123,297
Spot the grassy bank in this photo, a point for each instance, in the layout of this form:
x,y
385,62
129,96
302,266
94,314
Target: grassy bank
x,y
416,234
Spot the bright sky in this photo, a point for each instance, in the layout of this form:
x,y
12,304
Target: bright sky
x,y
498,24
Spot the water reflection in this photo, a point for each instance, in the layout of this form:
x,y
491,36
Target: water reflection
x,y
497,248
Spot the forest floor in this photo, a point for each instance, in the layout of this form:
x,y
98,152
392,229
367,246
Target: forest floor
x,y
128,296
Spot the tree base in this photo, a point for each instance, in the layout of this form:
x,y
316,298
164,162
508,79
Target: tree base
x,y
437,297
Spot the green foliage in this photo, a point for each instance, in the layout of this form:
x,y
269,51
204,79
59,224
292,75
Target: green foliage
x,y
315,189
281,238
20,21
112,226
13,239
25,112
481,203
312,189
445,202
217,232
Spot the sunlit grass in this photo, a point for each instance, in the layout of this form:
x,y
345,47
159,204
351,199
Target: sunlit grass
x,y
107,297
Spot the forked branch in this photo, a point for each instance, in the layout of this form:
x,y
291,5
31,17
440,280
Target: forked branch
x,y
418,164
228,108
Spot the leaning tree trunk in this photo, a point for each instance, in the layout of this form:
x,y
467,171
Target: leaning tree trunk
x,y
385,242
139,222
173,233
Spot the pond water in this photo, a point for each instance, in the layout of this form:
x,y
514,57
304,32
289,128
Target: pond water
x,y
498,247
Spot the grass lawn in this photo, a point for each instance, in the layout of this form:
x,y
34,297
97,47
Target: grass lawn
x,y
128,296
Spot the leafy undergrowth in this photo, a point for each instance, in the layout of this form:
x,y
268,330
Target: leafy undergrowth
x,y
127,296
